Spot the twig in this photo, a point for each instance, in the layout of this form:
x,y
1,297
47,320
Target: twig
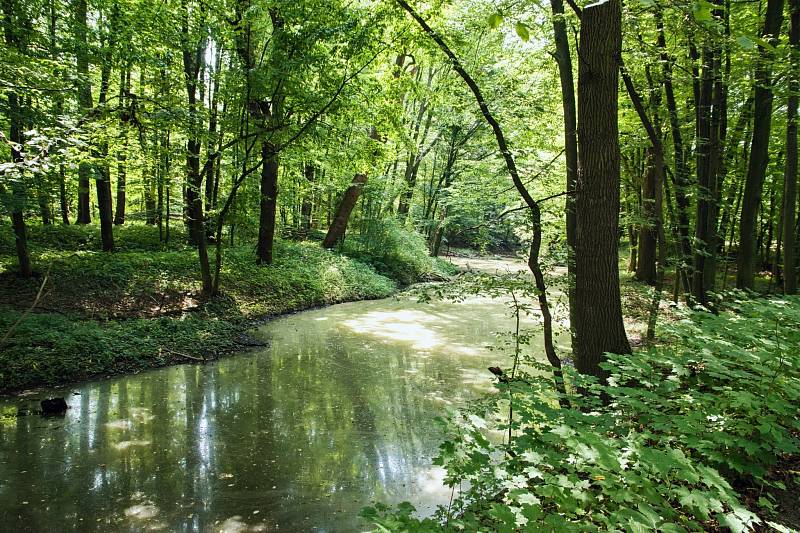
x,y
173,352
26,312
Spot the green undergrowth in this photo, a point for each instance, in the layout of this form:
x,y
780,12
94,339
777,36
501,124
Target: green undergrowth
x,y
140,307
698,433
397,253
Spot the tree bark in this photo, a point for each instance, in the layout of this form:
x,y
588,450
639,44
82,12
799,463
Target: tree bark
x,y
790,172
81,30
599,326
191,67
759,151
681,174
338,226
563,58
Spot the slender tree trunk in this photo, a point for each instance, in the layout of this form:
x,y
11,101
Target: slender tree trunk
x,y
563,58
681,174
81,30
790,172
102,172
599,326
191,66
759,152
309,172
122,155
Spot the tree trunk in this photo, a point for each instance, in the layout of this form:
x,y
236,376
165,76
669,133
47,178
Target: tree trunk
x,y
122,155
309,171
191,67
564,60
599,326
268,203
759,151
681,174
790,172
81,30
338,226
17,200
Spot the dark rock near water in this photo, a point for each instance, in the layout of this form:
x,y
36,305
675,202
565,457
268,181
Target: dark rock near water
x,y
54,406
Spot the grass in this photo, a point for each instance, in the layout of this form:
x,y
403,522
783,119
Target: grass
x,y
138,308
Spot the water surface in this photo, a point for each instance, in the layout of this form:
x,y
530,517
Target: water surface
x,y
338,412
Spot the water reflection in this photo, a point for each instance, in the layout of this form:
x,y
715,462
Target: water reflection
x,y
297,437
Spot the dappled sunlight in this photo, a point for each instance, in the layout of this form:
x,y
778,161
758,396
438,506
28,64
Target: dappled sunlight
x,y
141,511
124,445
403,325
235,524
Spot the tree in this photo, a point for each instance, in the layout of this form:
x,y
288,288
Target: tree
x,y
759,151
12,28
790,175
598,324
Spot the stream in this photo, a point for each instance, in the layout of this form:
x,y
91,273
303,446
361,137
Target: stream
x,y
336,413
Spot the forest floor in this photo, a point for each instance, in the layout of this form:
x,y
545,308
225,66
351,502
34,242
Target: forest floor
x,y
99,314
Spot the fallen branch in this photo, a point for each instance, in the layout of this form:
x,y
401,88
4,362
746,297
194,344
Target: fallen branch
x,y
173,352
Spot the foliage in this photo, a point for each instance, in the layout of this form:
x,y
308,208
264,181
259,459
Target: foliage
x,y
396,252
663,446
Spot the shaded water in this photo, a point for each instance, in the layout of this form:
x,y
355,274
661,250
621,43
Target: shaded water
x,y
338,412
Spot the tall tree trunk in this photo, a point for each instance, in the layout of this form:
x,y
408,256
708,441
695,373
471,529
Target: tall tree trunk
x,y
759,151
599,326
708,109
790,172
81,30
563,58
191,67
102,171
18,194
122,154
11,26
681,174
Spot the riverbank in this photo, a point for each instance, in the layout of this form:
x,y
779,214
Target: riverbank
x,y
101,314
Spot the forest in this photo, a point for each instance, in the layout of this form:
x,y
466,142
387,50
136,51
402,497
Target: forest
x,y
399,265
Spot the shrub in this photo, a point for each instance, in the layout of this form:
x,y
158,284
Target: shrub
x,y
395,252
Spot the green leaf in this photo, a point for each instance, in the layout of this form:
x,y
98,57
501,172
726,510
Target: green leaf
x,y
495,20
522,31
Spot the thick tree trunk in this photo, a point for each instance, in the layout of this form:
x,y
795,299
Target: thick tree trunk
x,y
759,152
707,167
790,172
338,226
599,326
